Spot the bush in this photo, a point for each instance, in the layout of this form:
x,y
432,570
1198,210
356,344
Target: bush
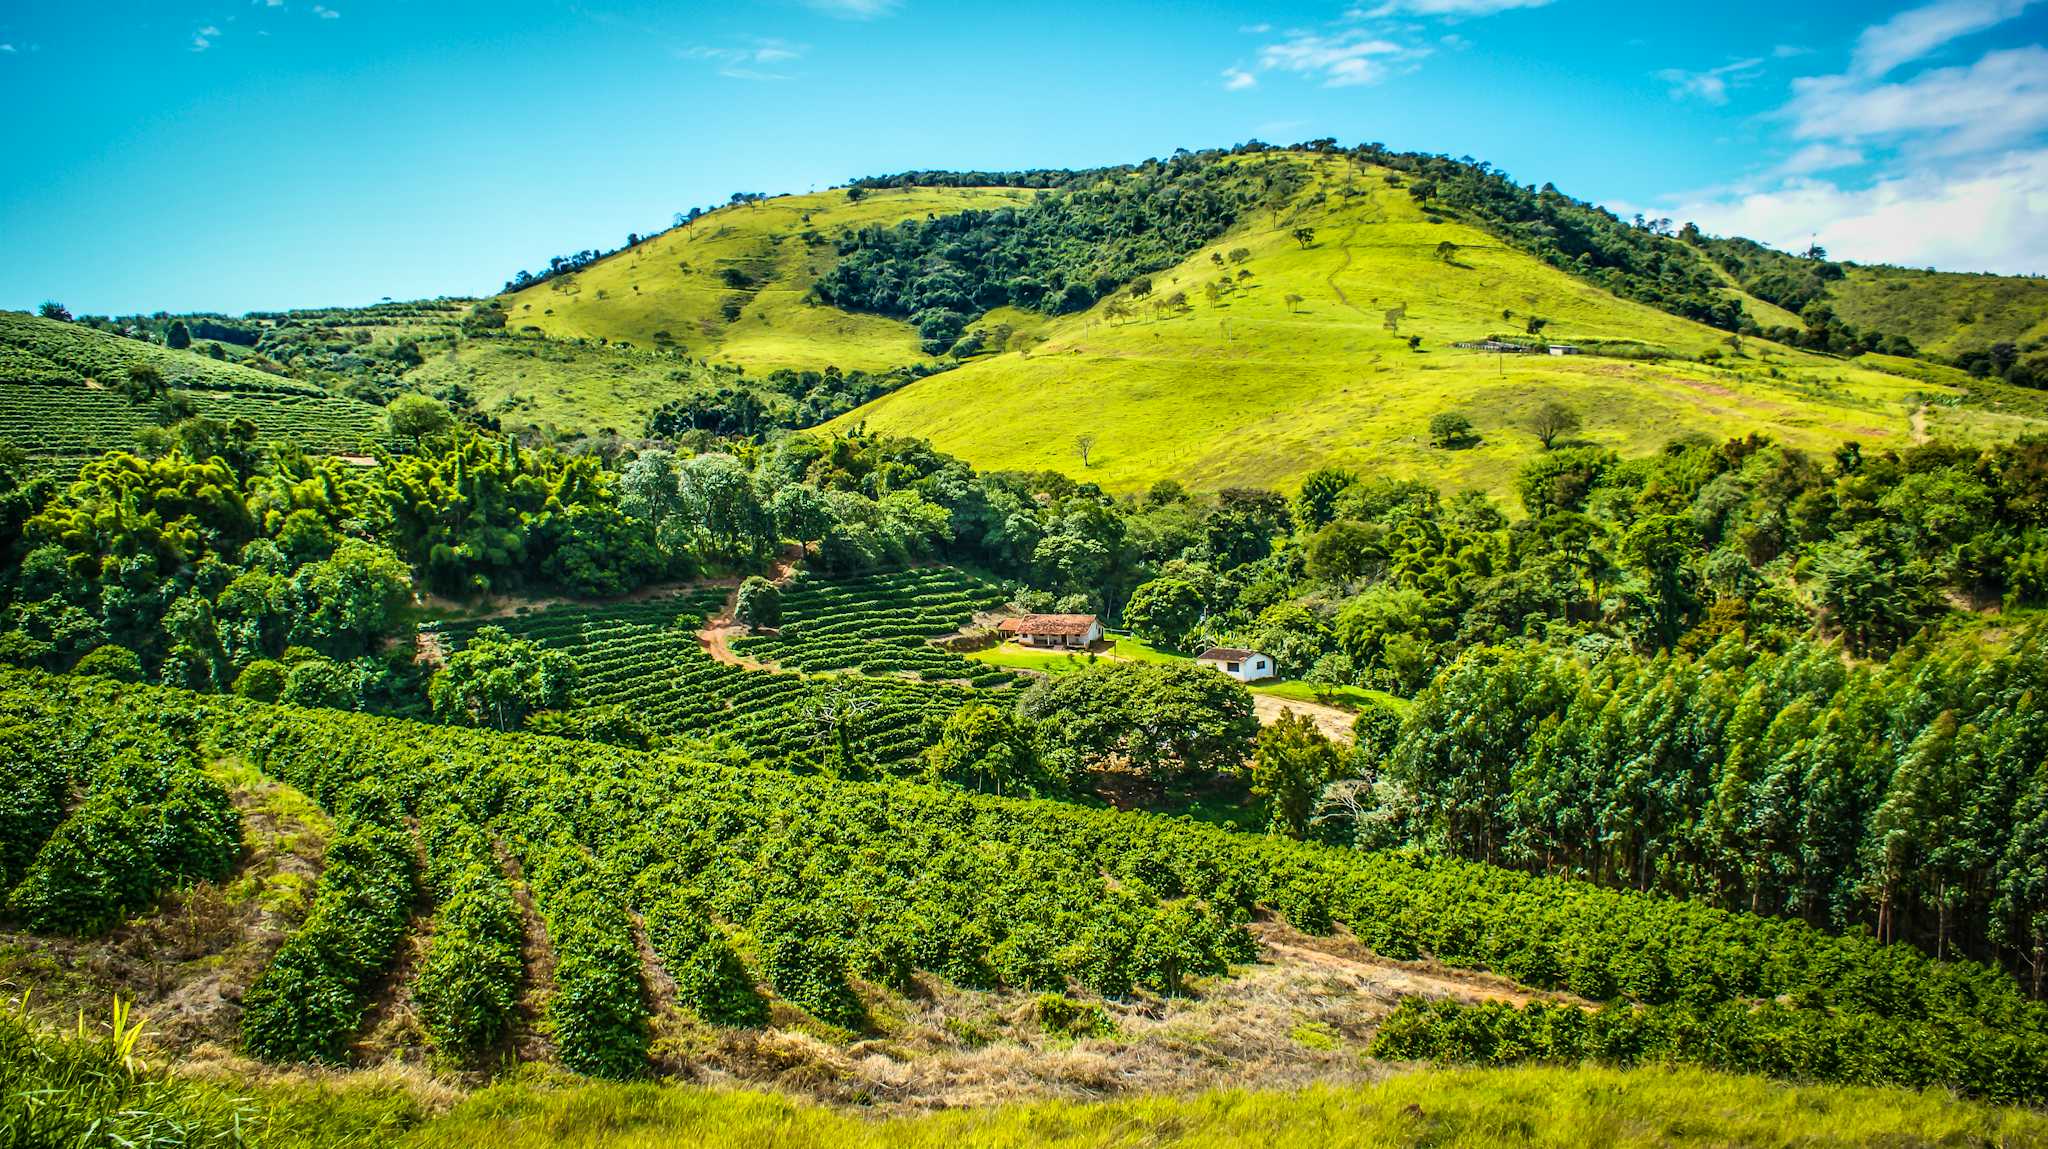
x,y
1061,1015
308,1004
110,661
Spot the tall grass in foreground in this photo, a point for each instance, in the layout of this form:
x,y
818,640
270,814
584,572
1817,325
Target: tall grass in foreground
x,y
89,1088
1500,1107
92,1088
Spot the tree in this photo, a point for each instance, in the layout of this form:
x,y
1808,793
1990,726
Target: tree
x,y
51,309
758,603
1292,300
179,337
414,416
1291,764
1316,503
1167,720
986,748
144,383
1304,236
1450,430
1084,443
1164,610
1447,251
1422,191
498,680
346,604
1551,421
801,513
1659,550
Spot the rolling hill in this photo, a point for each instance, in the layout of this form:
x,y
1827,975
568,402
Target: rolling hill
x,y
734,285
58,396
1298,355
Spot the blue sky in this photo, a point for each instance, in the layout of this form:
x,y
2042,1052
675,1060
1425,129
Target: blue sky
x,y
243,154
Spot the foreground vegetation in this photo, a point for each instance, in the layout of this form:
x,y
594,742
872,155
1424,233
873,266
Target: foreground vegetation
x,y
94,1089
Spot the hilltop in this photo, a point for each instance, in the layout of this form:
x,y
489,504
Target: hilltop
x,y
1264,355
734,285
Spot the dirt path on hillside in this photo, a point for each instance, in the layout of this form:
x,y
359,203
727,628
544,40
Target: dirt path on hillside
x,y
1334,722
715,637
1344,300
1283,944
1917,421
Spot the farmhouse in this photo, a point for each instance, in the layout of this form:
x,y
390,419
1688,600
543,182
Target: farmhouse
x,y
1243,665
1062,631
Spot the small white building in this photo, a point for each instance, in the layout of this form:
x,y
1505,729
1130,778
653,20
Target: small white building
x,y
1057,631
1243,665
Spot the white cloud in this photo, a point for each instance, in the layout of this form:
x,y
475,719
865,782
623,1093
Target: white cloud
x,y
204,38
739,62
854,9
1998,102
325,13
1916,32
1818,158
1988,217
1711,85
1255,29
1447,8
1343,60
6,49
1237,80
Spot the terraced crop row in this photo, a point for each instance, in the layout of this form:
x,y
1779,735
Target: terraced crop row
x,y
644,656
77,422
880,624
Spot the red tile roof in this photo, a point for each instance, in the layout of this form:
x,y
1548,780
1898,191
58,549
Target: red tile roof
x,y
1057,625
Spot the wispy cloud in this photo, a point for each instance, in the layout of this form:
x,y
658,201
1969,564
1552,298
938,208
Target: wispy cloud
x,y
204,38
1929,165
1254,29
1341,61
2000,100
1447,8
854,9
1237,80
7,49
1711,85
1917,32
745,61
325,13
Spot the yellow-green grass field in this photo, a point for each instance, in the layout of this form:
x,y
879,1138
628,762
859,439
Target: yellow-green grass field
x,y
532,382
1943,312
672,283
1134,649
1445,1109
1295,366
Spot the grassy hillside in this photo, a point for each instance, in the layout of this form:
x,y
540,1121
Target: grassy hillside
x,y
533,382
1942,312
1298,364
756,261
58,398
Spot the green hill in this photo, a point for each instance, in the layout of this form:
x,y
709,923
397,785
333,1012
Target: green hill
x,y
59,394
1944,312
1256,367
735,284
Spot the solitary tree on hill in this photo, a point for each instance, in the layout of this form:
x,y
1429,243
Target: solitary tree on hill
x,y
1447,251
1293,300
179,337
1084,443
1304,236
1552,421
51,309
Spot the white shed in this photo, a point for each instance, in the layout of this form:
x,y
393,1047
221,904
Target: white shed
x,y
1243,665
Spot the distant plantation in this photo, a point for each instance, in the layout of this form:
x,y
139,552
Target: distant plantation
x,y
643,660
